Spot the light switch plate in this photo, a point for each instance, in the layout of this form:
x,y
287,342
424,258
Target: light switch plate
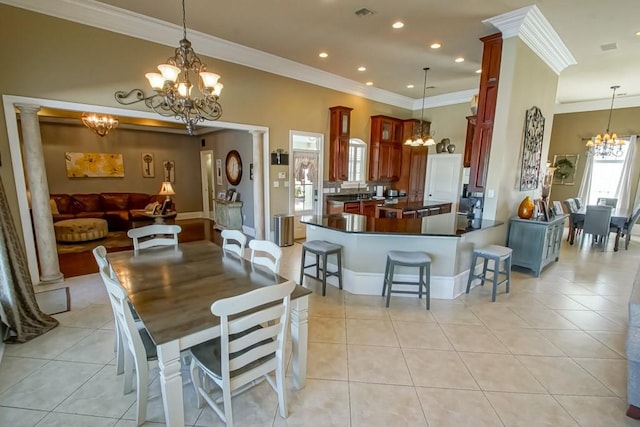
x,y
282,175
286,183
490,194
276,184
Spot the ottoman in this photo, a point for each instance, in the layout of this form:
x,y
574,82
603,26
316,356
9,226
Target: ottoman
x,y
80,229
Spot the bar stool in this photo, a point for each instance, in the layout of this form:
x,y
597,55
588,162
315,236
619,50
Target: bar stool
x,y
497,254
408,259
321,248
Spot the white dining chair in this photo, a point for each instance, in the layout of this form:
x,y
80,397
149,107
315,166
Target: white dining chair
x,y
264,252
246,352
628,226
138,347
234,241
597,221
154,235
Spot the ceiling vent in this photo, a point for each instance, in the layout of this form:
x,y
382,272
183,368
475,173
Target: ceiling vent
x,y
364,12
608,46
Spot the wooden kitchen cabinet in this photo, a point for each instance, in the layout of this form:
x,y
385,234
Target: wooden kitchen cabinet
x,y
368,207
339,134
468,143
487,97
351,207
417,172
385,150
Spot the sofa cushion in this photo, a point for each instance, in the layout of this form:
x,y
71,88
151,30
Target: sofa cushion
x,y
115,201
140,200
93,214
62,217
54,207
64,202
86,203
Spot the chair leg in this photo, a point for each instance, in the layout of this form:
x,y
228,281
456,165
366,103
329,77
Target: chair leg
x,y
302,267
428,285
339,255
195,380
324,274
142,393
390,282
282,392
420,282
128,371
507,267
119,345
472,270
496,276
228,411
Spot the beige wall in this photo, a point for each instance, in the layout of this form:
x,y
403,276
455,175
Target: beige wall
x,y
525,81
57,139
448,122
569,135
76,63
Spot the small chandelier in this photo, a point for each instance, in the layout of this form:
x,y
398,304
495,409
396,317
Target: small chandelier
x,y
608,144
173,87
101,124
421,136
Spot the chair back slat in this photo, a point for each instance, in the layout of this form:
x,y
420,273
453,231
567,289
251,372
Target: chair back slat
x,y
154,235
266,253
234,241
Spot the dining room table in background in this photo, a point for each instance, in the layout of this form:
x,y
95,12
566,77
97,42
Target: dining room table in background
x,y
618,218
172,289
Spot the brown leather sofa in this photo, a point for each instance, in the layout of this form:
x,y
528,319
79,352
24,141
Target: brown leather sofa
x,y
120,210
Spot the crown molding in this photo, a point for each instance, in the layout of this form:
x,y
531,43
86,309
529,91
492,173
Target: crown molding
x,y
530,25
114,19
461,97
599,104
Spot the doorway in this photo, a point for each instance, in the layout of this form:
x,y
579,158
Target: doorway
x,y
208,188
305,182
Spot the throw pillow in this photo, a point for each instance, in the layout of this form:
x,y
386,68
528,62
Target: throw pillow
x,y
54,207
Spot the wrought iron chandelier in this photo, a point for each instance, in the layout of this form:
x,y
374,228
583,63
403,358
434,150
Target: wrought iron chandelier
x,y
421,136
608,144
173,87
101,124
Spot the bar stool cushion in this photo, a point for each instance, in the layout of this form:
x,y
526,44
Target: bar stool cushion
x,y
321,246
494,251
408,257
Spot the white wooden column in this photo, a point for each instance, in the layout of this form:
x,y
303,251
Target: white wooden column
x,y
39,189
258,184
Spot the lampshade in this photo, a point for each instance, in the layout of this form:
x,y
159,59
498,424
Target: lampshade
x,y
166,189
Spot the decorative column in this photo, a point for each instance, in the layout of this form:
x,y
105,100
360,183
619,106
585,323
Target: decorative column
x,y
258,184
39,189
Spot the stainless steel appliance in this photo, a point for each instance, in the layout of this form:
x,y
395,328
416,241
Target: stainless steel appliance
x,y
392,193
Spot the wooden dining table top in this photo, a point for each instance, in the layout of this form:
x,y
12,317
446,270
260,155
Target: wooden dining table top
x,y
172,287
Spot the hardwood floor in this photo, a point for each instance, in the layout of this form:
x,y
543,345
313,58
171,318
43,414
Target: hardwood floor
x,y
81,263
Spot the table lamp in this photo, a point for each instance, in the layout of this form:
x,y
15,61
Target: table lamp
x,y
167,190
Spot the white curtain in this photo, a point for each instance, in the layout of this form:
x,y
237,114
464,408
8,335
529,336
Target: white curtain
x,y
585,185
623,191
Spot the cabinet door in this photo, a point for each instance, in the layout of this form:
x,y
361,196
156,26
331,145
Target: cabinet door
x,y
352,207
395,162
339,128
368,208
374,161
417,170
384,160
468,143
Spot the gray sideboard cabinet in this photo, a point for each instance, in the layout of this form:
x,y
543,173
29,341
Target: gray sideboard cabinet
x,y
228,215
535,244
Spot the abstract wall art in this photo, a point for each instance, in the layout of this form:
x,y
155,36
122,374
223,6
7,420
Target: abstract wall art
x,y
532,150
94,165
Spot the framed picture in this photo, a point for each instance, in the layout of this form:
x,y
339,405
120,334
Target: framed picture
x,y
219,172
148,167
169,168
94,165
532,149
222,195
557,208
230,194
566,167
543,213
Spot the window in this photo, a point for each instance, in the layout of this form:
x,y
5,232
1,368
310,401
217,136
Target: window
x,y
606,175
357,150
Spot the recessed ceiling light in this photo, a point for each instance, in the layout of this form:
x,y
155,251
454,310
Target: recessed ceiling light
x,y
460,59
369,83
410,86
479,70
398,24
362,68
436,46
323,54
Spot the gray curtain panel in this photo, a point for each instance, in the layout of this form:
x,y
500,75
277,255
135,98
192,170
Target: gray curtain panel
x,y
21,312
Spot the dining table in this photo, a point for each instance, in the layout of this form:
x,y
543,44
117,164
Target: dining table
x,y
619,217
172,289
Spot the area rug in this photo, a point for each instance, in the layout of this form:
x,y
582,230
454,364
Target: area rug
x,y
54,301
114,239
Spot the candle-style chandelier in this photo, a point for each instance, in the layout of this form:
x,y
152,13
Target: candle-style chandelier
x,y
101,124
173,87
609,144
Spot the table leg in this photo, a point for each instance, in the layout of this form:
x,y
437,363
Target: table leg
x,y
299,338
615,246
572,234
171,383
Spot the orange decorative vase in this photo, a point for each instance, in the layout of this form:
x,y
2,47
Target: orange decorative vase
x,y
525,210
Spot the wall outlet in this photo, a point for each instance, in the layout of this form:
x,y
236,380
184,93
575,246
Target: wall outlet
x,y
276,184
286,183
491,194
282,175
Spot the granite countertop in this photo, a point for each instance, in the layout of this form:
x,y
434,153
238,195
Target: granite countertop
x,y
414,206
354,223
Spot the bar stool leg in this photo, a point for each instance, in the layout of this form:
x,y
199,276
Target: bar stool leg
x,y
317,265
339,255
420,281
428,285
391,269
324,274
507,266
386,275
302,266
496,273
472,271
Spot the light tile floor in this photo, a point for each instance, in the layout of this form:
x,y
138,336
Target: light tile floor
x,y
549,353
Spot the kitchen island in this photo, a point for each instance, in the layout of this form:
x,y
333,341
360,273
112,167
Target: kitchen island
x,y
367,240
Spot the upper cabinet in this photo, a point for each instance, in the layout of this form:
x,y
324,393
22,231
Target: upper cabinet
x,y
385,150
339,132
487,97
468,142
